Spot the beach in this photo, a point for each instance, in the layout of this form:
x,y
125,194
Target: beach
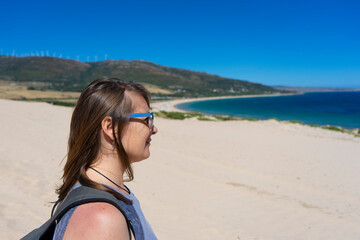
x,y
203,180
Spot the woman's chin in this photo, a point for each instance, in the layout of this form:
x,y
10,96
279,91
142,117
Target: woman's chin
x,y
147,155
139,159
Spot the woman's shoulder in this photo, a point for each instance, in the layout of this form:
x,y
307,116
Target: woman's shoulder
x,y
91,220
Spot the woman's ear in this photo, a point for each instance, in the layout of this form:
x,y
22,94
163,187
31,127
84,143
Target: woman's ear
x,y
107,127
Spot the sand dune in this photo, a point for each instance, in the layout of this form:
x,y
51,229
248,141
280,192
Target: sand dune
x,y
204,180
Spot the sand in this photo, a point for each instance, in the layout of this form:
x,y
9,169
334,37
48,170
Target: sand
x,y
204,180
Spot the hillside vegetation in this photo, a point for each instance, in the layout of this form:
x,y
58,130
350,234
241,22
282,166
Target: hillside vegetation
x,y
48,73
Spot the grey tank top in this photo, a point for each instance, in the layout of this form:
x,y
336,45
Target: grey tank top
x,y
141,228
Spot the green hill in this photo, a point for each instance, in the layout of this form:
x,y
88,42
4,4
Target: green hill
x,y
71,75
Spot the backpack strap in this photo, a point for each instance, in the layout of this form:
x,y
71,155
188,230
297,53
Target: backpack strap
x,y
77,196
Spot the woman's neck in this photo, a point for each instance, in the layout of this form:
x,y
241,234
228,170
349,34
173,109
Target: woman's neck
x,y
108,170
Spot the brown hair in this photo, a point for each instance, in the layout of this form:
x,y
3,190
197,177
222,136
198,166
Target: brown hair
x,y
103,97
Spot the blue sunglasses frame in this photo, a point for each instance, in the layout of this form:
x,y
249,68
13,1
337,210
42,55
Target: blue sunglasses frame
x,y
150,114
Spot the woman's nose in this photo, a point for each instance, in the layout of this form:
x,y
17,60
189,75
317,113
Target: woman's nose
x,y
155,130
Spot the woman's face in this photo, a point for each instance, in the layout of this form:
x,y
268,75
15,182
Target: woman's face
x,y
136,136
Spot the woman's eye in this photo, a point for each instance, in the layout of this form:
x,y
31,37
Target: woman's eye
x,y
147,120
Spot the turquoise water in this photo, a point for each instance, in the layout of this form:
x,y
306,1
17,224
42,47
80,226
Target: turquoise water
x,y
322,108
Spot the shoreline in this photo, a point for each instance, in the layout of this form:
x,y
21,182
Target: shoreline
x,y
171,105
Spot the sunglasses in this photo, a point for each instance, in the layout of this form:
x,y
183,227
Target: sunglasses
x,y
148,121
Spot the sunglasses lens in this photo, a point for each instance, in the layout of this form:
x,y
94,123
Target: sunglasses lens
x,y
152,123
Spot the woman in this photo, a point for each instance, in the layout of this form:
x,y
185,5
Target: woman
x,y
111,128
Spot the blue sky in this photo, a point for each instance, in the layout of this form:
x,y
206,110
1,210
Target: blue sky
x,y
293,43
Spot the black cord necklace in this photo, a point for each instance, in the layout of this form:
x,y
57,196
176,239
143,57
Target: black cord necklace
x,y
125,189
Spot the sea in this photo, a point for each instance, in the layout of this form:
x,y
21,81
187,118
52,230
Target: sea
x,y
320,108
